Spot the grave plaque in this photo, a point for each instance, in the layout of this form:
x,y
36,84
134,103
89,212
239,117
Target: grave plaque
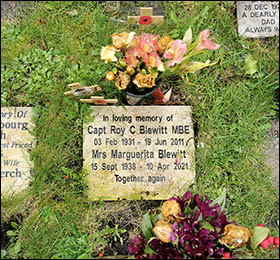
x,y
136,152
258,19
16,142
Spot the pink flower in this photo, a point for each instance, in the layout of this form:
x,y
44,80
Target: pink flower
x,y
147,44
175,53
205,42
152,60
131,58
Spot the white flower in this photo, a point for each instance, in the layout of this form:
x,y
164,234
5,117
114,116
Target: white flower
x,y
108,54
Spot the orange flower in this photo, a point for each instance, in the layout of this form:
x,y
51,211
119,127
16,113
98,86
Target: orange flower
x,y
144,81
122,80
162,230
170,210
164,44
235,236
130,70
110,75
66,177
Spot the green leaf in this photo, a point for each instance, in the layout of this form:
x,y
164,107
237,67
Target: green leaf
x,y
14,225
194,66
147,226
10,233
149,250
188,36
221,200
206,225
3,253
174,17
157,217
16,249
84,256
250,65
259,234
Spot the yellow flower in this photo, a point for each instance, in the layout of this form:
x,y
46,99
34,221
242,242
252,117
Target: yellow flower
x,y
162,230
122,40
108,54
130,70
144,81
170,210
164,44
110,75
235,236
122,80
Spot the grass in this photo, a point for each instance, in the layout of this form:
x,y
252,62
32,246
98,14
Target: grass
x,y
50,48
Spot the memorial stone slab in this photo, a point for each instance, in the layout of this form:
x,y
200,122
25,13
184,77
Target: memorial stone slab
x,y
136,152
16,142
257,19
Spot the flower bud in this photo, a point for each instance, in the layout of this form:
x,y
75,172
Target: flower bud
x,y
235,236
130,70
144,72
115,70
162,230
170,210
122,63
110,75
264,244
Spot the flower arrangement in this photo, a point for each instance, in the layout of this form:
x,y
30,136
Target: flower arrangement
x,y
194,227
140,61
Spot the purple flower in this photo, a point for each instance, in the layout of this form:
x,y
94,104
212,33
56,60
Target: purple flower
x,y
137,245
195,236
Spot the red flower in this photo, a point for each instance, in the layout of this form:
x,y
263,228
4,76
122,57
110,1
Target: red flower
x,y
276,241
227,255
270,240
66,177
158,96
264,244
100,254
145,20
259,225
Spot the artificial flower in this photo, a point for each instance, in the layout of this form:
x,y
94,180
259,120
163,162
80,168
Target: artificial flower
x,y
122,80
170,210
235,236
130,70
147,44
162,231
152,60
144,81
108,54
164,44
110,75
205,42
175,53
131,58
145,20
122,40
137,245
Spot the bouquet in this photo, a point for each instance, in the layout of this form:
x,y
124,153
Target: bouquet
x,y
141,61
194,227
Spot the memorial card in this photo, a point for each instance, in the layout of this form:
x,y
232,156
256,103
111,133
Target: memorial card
x,y
16,142
258,18
136,152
